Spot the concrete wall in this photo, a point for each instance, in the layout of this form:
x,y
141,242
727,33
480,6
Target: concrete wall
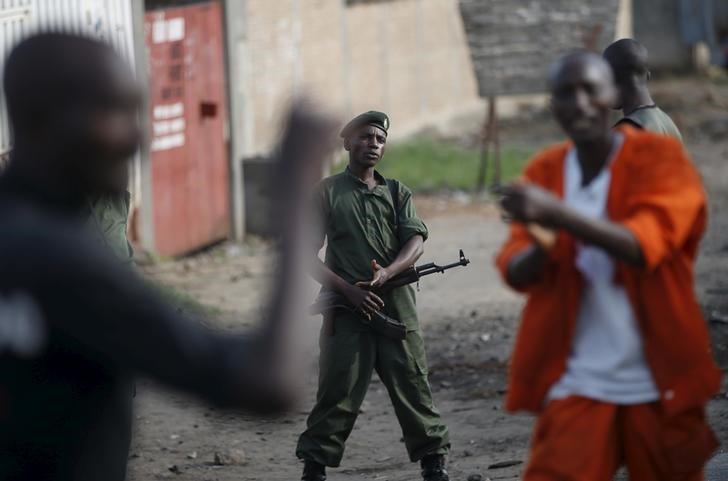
x,y
657,26
406,57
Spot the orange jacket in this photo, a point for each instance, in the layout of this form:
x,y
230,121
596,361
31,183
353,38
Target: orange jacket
x,y
656,193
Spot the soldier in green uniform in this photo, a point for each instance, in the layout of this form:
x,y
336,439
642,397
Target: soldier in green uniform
x,y
368,243
628,59
108,221
108,217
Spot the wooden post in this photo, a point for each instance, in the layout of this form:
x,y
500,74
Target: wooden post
x,y
484,142
590,36
489,136
142,223
497,167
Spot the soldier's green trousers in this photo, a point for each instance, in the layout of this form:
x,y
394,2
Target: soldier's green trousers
x,y
348,358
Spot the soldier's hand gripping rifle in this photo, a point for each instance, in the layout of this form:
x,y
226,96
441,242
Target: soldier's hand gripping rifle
x,y
328,301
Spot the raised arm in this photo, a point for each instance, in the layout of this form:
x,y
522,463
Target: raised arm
x,y
528,203
613,237
525,268
111,313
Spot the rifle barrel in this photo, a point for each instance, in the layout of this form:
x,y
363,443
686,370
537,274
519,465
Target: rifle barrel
x,y
434,268
424,267
463,262
412,275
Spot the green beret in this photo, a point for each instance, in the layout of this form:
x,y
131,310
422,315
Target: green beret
x,y
377,119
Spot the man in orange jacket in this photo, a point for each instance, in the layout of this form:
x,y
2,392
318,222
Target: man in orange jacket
x,y
612,352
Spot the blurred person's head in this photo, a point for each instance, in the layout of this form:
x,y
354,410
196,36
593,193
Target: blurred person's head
x,y
365,138
582,94
73,105
628,59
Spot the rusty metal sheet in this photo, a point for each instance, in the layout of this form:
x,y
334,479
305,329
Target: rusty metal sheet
x,y
190,181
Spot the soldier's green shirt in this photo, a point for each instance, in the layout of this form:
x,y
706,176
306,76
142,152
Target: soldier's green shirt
x,y
359,225
654,119
108,217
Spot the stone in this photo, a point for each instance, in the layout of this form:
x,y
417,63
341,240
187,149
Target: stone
x,y
505,464
230,457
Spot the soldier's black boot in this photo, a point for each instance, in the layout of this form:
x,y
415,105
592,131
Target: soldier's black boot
x,y
313,471
433,468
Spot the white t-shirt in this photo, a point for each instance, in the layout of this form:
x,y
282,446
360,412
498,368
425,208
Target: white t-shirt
x,y
607,361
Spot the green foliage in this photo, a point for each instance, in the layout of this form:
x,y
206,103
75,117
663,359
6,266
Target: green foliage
x,y
428,165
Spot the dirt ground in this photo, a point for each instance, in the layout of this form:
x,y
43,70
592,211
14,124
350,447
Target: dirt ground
x,y
468,318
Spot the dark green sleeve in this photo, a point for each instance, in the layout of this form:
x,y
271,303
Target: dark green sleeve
x,y
321,209
630,122
108,219
129,248
409,224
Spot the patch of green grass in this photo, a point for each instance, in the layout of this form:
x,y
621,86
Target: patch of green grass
x,y
428,165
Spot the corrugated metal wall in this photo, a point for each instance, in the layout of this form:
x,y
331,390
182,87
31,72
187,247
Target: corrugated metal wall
x,y
110,20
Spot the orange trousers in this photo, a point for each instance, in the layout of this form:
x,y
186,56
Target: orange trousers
x,y
579,439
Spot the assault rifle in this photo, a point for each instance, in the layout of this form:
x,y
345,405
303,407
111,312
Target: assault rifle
x,y
328,301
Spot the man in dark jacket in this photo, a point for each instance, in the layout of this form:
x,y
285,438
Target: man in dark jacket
x,y
75,326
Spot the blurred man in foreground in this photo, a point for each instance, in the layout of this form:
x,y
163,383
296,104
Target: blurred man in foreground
x,y
74,325
612,352
628,59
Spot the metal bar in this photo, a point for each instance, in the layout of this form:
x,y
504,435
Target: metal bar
x,y
234,17
14,13
497,166
145,219
486,140
425,266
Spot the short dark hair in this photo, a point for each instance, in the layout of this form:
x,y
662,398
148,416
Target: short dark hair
x,y
47,72
628,58
575,57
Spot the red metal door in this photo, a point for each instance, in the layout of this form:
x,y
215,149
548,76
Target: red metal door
x,y
190,182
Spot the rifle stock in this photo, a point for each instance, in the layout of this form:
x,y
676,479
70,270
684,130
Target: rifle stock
x,y
328,302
